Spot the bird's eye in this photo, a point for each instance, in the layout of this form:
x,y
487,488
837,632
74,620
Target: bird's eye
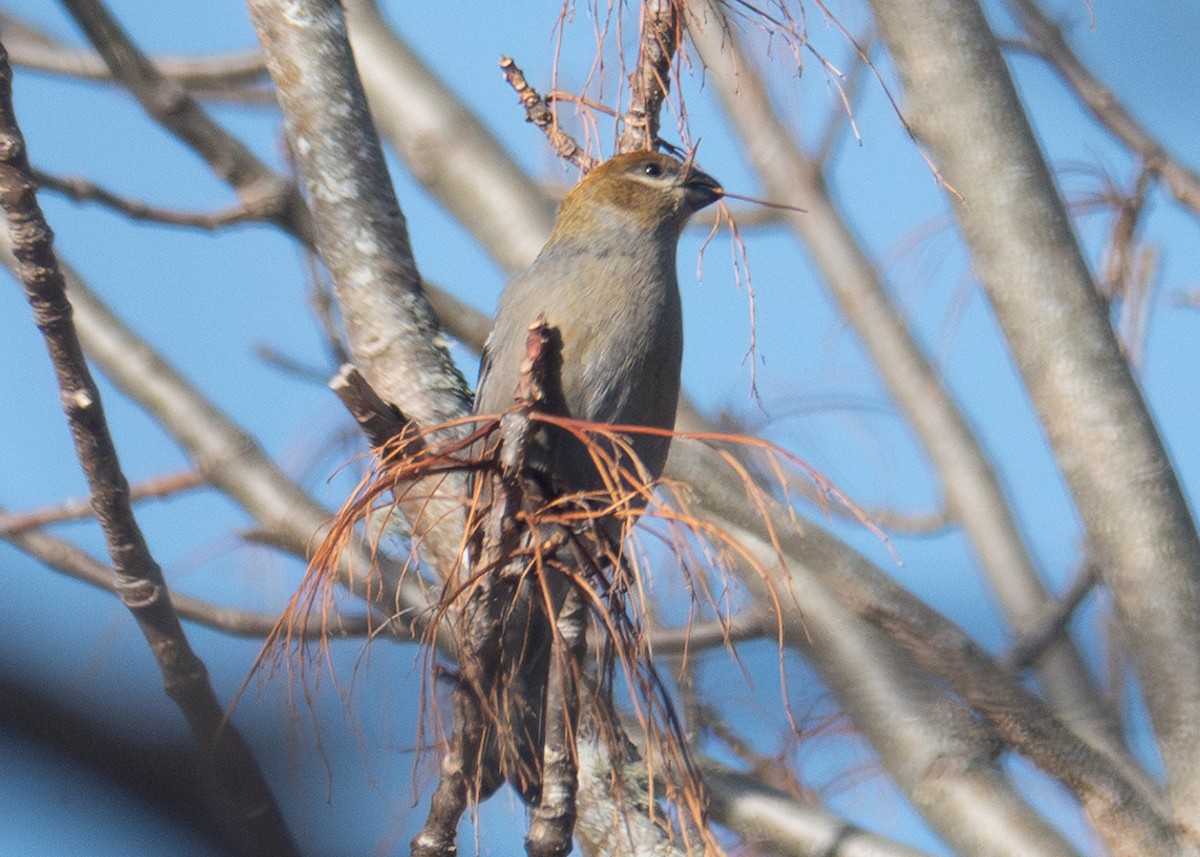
x,y
652,170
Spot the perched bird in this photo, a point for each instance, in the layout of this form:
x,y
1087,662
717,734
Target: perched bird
x,y
605,283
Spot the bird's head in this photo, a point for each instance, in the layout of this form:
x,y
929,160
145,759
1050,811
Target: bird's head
x,y
642,191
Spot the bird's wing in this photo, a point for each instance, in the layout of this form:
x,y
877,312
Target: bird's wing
x,y
485,366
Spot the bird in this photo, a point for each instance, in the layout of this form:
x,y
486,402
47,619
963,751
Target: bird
x,y
605,285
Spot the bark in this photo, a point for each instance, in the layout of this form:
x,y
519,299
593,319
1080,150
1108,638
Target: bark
x,y
973,492
449,151
930,746
962,104
136,575
362,238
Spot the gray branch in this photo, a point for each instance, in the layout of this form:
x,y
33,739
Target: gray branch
x,y
962,104
136,575
972,488
788,826
362,238
228,456
449,151
930,746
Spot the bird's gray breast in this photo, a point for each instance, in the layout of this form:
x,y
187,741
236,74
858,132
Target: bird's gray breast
x,y
620,324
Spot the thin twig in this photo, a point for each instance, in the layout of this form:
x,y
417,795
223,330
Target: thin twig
x,y
770,770
1118,278
1128,271
324,308
461,320
74,510
65,557
379,420
692,639
259,188
785,825
1051,45
31,48
292,366
831,130
539,113
84,190
1189,299
1030,646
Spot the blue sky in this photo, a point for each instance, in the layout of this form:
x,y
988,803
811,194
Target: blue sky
x,y
208,300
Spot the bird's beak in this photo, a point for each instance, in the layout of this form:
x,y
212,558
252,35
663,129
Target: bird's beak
x,y
701,189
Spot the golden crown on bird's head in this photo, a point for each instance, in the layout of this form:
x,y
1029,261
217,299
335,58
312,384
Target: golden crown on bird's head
x,y
651,188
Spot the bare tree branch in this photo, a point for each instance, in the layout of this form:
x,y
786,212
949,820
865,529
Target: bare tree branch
x,y
380,421
972,488
909,756
752,624
137,577
69,559
965,108
787,826
227,456
81,190
824,590
465,323
939,711
69,510
259,188
1059,613
31,48
390,325
1049,42
363,241
538,112
650,80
